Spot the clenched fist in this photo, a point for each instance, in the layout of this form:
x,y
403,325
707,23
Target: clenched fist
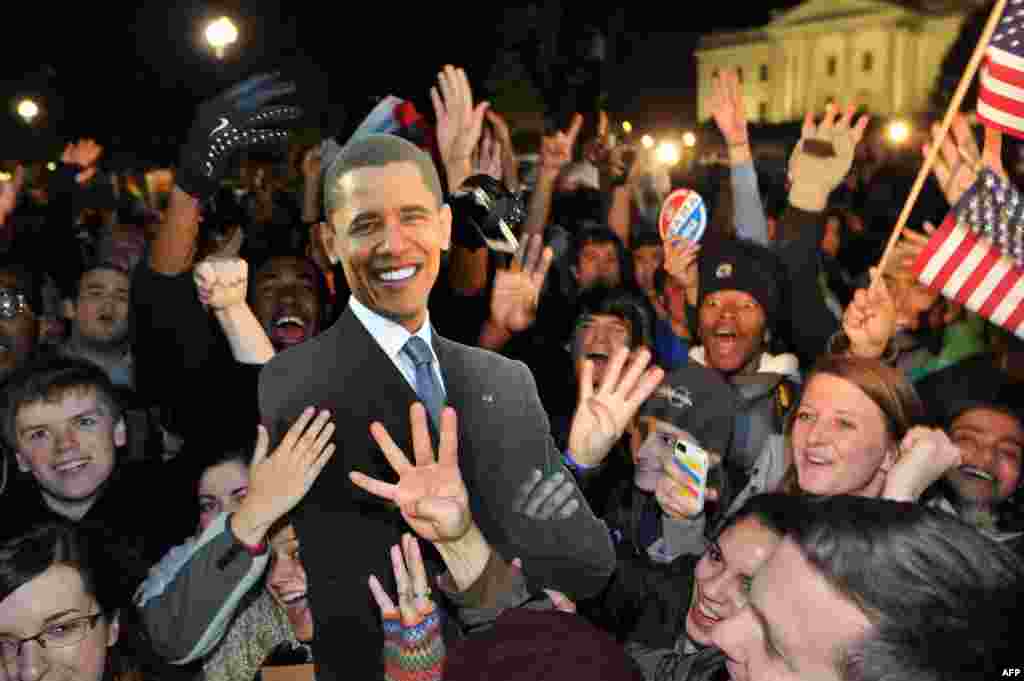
x,y
221,282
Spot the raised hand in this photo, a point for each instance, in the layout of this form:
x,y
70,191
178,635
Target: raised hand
x,y
870,319
459,123
503,136
956,167
602,415
487,157
234,120
430,494
727,108
681,261
517,288
278,482
543,498
221,282
413,627
83,153
823,156
925,456
556,150
311,164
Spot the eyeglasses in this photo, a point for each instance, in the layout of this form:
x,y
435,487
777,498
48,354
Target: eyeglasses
x,y
63,635
12,303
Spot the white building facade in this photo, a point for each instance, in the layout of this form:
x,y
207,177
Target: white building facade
x,y
877,55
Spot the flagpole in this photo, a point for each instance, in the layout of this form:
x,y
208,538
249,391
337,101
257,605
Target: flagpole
x,y
947,121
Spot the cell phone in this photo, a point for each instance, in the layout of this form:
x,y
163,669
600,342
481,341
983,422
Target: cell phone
x,y
695,464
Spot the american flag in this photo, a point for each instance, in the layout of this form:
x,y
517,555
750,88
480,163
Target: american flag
x,y
976,257
1001,95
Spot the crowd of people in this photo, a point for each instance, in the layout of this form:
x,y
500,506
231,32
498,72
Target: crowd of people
x,y
480,453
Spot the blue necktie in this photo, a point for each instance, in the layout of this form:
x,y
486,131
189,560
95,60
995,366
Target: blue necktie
x,y
427,386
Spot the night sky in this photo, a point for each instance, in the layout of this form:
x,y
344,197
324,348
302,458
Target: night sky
x,y
132,74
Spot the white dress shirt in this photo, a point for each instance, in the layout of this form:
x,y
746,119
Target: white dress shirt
x,y
392,337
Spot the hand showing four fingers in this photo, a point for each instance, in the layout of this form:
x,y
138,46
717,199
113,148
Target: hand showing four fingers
x,y
429,493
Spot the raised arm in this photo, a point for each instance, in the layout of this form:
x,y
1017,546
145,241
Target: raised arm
x,y
222,284
555,153
731,117
233,121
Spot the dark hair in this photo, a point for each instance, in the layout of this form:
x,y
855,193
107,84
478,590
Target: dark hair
x,y
660,280
778,512
92,267
617,303
50,379
26,556
375,151
595,233
942,598
644,237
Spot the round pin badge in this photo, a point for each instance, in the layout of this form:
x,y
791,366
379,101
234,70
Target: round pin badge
x,y
683,214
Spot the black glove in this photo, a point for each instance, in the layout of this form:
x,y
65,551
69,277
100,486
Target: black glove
x,y
228,123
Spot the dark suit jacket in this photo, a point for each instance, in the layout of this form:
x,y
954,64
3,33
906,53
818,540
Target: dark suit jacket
x,y
346,533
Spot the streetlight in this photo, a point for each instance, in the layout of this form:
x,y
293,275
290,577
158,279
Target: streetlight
x,y
647,141
898,132
28,110
627,127
689,139
667,153
221,34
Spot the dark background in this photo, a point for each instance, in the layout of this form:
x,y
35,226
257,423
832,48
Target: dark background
x,y
131,75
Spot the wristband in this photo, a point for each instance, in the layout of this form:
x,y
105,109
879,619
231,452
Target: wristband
x,y
576,466
253,551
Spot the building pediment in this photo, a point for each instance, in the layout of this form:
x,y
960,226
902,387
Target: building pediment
x,y
817,11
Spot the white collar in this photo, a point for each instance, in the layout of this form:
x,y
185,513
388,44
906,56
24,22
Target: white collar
x,y
390,335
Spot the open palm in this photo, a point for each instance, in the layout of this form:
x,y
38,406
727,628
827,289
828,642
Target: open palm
x,y
430,493
517,288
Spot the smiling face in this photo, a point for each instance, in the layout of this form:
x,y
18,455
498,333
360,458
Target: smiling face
x,y
286,301
221,490
732,329
388,235
69,446
286,582
101,312
840,441
723,575
50,602
991,443
796,626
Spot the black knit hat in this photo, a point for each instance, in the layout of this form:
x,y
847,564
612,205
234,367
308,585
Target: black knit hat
x,y
695,399
747,267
